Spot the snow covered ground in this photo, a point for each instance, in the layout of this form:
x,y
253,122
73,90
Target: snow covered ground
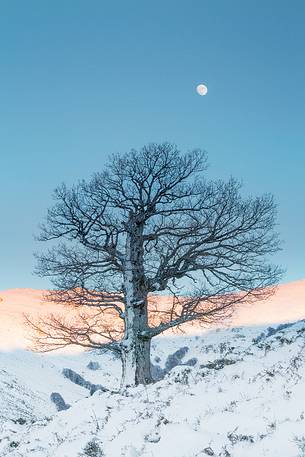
x,y
244,397
237,392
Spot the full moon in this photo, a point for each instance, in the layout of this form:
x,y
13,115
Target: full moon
x,y
202,89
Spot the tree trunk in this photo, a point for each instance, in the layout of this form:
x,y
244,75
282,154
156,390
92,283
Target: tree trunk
x,y
136,361
135,348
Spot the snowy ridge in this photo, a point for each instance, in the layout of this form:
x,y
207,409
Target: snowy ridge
x,y
243,398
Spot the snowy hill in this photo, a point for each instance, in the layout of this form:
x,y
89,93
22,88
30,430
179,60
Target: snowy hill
x,y
244,397
236,391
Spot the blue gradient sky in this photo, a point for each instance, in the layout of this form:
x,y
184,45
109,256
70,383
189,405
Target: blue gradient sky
x,y
82,79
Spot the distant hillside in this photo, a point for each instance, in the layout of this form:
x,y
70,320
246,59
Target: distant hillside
x,y
288,304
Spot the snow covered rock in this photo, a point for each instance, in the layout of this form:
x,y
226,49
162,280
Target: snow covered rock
x,y
59,402
80,381
93,366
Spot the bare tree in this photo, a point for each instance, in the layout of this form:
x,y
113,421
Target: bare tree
x,y
152,223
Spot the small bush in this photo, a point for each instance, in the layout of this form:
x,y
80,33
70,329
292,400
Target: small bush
x,y
20,421
208,451
14,444
300,442
93,449
218,364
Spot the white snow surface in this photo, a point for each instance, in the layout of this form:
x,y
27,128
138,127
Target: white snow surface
x,y
243,398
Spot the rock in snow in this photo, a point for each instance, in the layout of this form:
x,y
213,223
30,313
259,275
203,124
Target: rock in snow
x,y
59,402
80,381
93,365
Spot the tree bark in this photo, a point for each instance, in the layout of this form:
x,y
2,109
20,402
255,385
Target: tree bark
x,y
135,347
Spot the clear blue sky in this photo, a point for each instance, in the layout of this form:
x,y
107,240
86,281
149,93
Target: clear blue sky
x,y
82,79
